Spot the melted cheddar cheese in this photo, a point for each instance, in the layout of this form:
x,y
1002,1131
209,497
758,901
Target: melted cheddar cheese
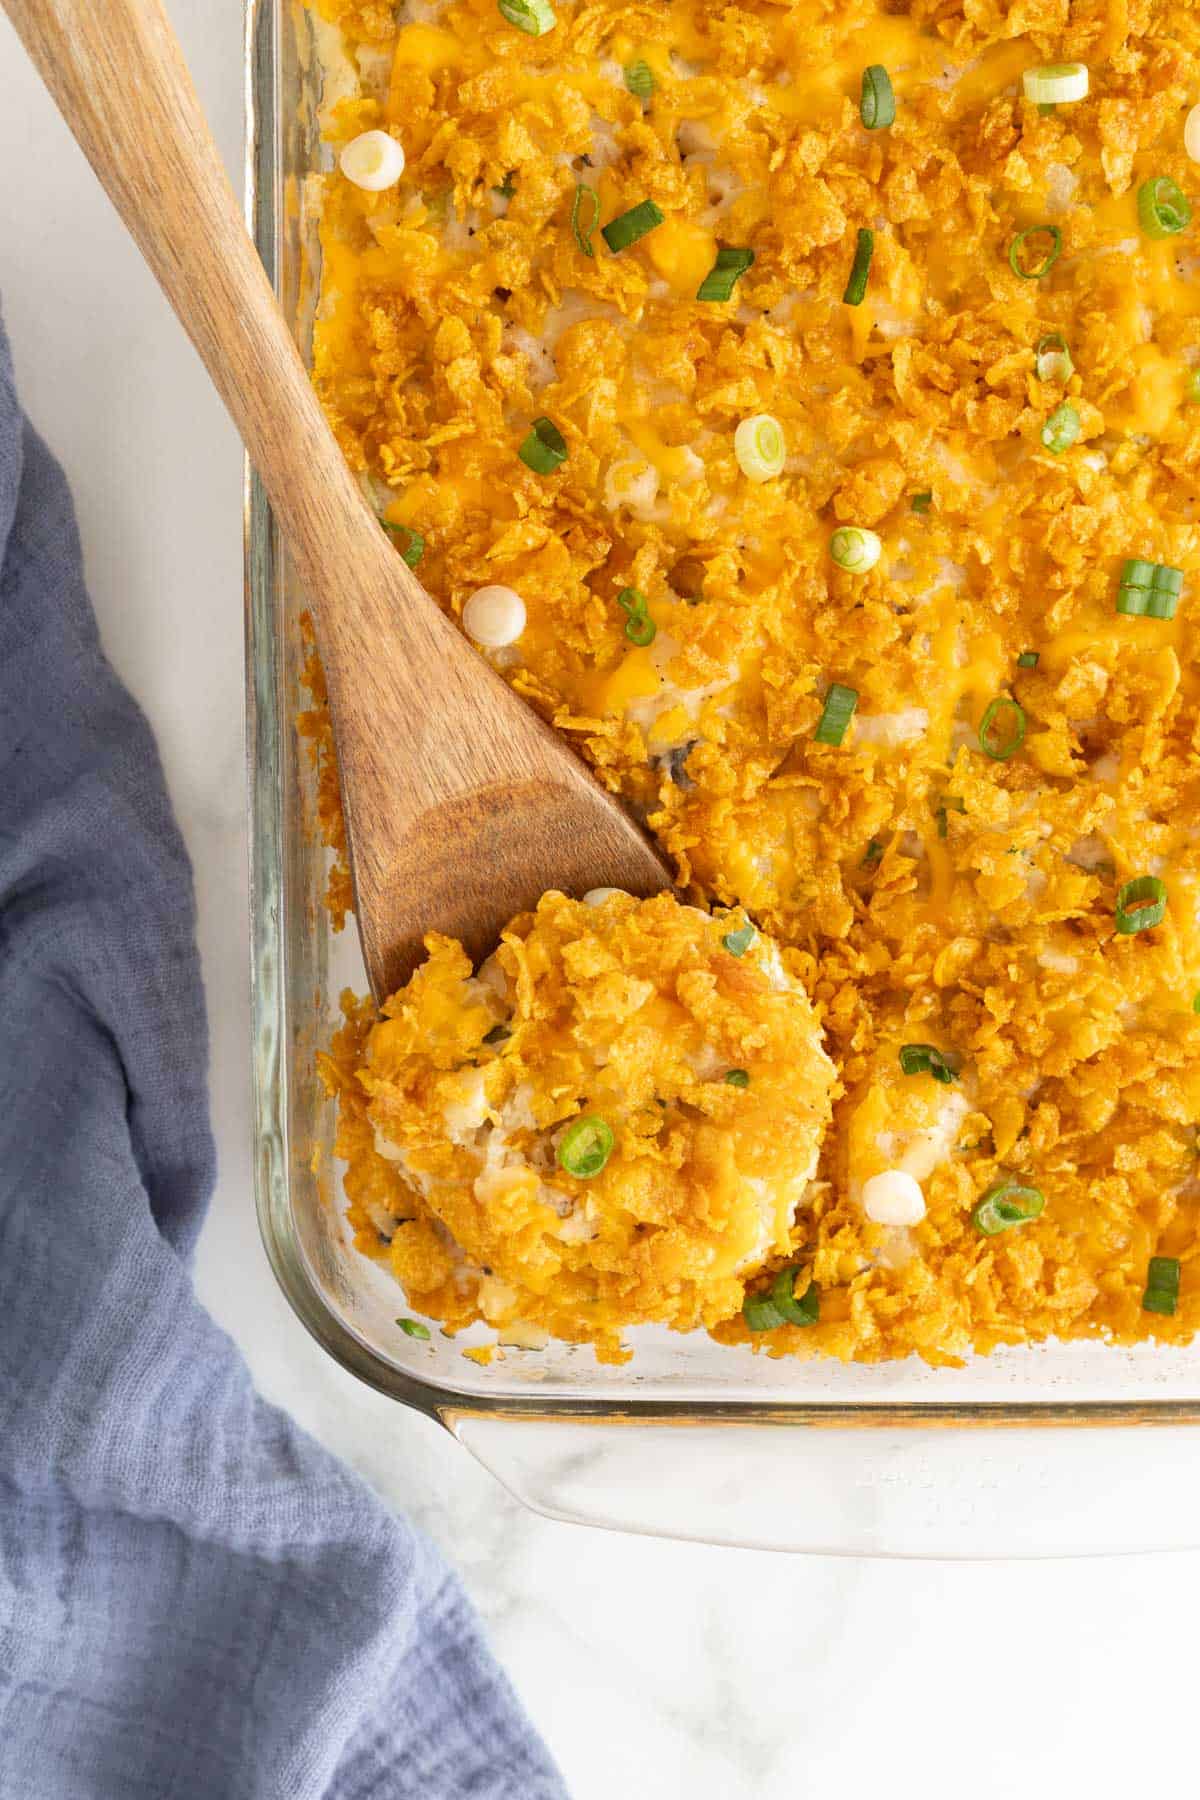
x,y
924,892
456,1105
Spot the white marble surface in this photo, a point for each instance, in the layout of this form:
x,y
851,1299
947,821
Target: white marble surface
x,y
658,1671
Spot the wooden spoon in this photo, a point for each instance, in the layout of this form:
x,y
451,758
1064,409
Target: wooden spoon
x,y
462,807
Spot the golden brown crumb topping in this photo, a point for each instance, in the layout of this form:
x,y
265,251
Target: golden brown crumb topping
x,y
1008,411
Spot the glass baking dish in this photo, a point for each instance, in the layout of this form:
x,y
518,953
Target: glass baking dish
x,y
691,1438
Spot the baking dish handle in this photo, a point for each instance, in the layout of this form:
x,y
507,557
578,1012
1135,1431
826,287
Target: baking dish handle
x,y
874,1490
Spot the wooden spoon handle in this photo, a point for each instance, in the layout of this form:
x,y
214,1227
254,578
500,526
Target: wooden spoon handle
x,y
119,78
462,806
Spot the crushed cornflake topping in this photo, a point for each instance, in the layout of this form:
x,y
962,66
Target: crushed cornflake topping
x,y
455,1111
923,892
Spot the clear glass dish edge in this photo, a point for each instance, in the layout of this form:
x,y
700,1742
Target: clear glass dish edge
x,y
276,934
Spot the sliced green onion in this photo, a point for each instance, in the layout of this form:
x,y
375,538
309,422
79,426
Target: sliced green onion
x,y
1193,388
856,287
544,448
1002,729
413,549
508,189
413,1328
1028,659
1149,590
738,942
804,1311
738,1078
534,17
836,714
1146,603
927,1059
730,266
1138,571
1056,84
585,1147
759,1313
877,107
1005,1204
1052,358
921,503
1196,1003
639,79
760,447
1016,260
1162,1285
873,853
640,628
855,549
1060,429
1141,904
629,226
586,200
1163,207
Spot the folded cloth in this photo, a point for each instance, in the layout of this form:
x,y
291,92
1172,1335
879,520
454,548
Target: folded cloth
x,y
195,1600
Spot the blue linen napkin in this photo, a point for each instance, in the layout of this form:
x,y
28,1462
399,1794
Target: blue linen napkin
x,y
195,1600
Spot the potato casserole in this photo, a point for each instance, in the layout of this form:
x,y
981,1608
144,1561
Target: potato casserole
x,y
799,404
